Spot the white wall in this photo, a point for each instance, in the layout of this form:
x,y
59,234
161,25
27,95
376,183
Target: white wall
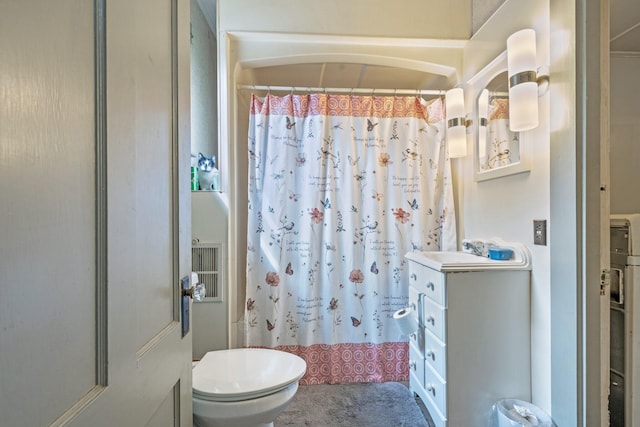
x,y
403,18
204,91
506,207
208,211
625,134
209,224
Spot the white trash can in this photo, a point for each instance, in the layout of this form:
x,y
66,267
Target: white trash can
x,y
514,412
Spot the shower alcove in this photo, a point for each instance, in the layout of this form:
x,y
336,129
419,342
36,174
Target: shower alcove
x,y
285,63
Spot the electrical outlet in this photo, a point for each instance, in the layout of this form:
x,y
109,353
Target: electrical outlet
x,y
540,232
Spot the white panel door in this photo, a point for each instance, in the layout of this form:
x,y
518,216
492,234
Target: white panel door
x,y
94,212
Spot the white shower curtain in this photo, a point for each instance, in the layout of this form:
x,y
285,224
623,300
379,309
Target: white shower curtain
x,y
340,188
503,145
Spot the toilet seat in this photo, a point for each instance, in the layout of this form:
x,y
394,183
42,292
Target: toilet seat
x,y
244,374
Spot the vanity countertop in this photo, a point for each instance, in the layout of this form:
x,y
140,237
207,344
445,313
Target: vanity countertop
x,y
462,261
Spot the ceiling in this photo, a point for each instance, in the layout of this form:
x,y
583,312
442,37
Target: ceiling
x,y
345,75
624,36
625,26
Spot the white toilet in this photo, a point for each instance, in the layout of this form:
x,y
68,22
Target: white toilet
x,y
244,387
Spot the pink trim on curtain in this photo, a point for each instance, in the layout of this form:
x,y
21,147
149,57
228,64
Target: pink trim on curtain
x,y
352,362
348,105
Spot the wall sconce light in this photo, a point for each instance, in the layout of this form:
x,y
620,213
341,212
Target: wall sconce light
x,y
456,123
523,80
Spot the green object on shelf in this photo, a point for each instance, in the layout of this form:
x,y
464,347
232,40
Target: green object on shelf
x,y
194,178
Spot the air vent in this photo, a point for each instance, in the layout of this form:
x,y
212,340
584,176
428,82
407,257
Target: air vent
x,y
206,260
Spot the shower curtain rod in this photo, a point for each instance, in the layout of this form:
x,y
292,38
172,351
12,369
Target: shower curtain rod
x,y
417,92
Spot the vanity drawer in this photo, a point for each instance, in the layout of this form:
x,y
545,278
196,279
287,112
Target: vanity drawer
x,y
416,363
427,281
434,318
436,390
435,353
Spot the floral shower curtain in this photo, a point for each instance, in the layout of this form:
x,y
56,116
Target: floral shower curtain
x,y
340,188
503,145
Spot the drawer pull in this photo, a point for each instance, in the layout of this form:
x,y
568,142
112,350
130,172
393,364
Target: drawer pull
x,y
431,389
431,320
431,286
413,336
413,276
412,365
432,355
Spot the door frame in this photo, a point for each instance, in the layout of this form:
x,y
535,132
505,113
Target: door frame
x,y
579,212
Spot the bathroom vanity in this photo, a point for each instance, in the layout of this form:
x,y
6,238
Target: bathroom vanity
x,y
472,347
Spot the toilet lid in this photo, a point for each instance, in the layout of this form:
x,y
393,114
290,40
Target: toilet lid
x,y
245,373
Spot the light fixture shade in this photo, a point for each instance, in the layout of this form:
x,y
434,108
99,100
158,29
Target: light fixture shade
x,y
483,115
523,86
456,129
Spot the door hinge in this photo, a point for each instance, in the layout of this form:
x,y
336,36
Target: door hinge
x,y
605,280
